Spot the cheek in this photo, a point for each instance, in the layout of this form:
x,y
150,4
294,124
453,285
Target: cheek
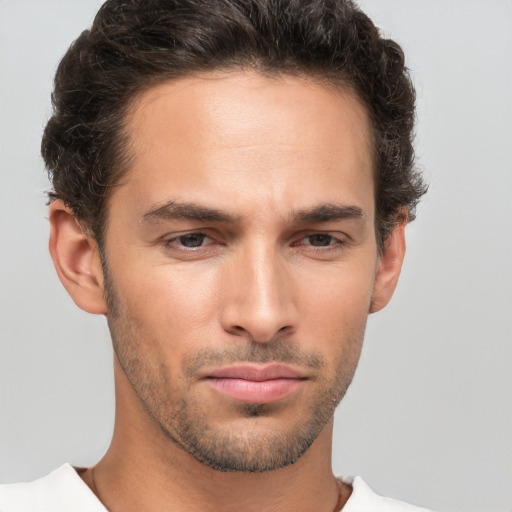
x,y
342,294
335,310
169,302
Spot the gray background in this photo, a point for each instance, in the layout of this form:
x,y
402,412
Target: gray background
x,y
429,416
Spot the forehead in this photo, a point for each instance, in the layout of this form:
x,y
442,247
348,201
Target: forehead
x,y
219,134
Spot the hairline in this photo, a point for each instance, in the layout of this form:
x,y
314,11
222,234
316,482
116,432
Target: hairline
x,y
123,142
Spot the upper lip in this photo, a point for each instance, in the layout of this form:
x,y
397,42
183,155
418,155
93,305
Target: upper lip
x,y
256,372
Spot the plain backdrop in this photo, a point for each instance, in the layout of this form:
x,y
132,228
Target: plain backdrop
x,y
428,418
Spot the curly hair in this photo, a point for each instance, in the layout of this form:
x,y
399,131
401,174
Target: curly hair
x,y
135,44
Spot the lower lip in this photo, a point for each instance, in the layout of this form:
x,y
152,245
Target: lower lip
x,y
258,392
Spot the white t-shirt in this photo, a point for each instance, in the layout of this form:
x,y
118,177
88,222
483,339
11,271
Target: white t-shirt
x,y
64,491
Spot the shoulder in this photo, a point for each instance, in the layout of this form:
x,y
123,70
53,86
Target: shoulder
x,y
363,499
60,491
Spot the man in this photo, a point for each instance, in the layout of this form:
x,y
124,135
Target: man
x,y
232,181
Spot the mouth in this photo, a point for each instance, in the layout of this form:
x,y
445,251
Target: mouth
x,y
256,384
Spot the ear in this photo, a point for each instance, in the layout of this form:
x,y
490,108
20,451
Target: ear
x,y
388,268
77,260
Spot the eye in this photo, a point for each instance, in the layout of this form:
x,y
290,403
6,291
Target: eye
x,y
320,240
322,244
192,240
188,241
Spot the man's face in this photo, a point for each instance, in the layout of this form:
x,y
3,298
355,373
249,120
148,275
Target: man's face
x,y
241,261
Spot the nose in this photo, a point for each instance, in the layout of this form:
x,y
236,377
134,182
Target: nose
x,y
259,298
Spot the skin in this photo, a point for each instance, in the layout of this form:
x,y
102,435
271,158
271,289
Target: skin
x,y
287,270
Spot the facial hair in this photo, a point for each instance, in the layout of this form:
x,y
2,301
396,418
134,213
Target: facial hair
x,y
181,417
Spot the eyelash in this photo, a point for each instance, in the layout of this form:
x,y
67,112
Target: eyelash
x,y
335,242
169,243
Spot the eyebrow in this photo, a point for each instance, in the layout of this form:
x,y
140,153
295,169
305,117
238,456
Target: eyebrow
x,y
329,212
188,211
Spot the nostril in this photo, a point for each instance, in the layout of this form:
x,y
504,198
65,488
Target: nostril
x,y
238,329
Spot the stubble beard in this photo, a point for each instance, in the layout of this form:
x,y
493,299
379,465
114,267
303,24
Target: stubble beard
x,y
183,422
248,451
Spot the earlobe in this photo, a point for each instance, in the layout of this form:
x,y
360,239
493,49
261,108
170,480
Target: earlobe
x,y
388,268
76,259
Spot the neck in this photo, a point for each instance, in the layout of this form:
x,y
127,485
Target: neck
x,y
144,470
